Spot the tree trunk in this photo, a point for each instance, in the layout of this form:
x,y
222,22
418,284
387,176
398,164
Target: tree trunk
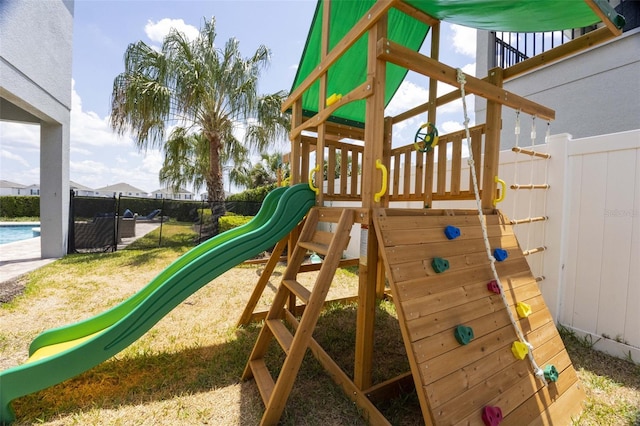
x,y
215,184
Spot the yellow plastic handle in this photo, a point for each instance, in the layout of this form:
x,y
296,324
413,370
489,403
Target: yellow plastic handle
x,y
311,173
503,190
378,195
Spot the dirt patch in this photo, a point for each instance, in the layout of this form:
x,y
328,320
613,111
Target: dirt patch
x,y
12,288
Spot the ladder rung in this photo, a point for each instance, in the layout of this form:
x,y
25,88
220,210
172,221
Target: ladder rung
x,y
263,378
532,251
298,289
543,186
531,153
282,334
528,220
315,247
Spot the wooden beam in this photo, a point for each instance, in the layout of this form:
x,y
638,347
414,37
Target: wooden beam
x,y
414,61
367,21
417,14
583,42
360,92
491,144
606,20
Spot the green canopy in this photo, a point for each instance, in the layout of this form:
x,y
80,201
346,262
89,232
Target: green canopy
x,y
497,15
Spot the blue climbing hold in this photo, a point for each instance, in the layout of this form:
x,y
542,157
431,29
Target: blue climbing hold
x,y
500,254
452,232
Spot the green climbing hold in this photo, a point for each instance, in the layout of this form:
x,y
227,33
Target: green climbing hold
x,y
439,264
551,373
463,334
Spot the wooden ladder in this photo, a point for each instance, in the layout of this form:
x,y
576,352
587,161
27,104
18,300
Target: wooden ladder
x,y
329,244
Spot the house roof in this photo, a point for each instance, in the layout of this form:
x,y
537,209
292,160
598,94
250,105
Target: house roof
x,y
171,191
121,187
75,185
9,184
350,70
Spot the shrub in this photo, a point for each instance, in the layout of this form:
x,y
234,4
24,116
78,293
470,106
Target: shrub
x,y
227,222
19,206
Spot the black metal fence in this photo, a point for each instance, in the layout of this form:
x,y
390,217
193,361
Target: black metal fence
x,y
512,48
101,224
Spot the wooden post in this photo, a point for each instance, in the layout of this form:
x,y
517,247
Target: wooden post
x,y
371,183
431,114
491,144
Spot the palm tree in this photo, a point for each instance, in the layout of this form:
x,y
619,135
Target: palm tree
x,y
205,93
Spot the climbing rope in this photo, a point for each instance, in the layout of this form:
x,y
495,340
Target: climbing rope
x,y
539,373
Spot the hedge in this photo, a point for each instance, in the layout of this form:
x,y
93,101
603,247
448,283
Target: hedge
x,y
19,206
227,222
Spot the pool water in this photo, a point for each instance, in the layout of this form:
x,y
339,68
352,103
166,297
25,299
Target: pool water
x,y
12,233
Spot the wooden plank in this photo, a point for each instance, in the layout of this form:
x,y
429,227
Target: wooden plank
x,y
419,177
456,165
331,170
414,61
344,169
419,235
281,333
263,378
298,289
418,14
490,163
414,252
441,183
416,287
394,220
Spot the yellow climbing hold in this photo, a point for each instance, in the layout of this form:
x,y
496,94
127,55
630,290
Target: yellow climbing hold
x,y
333,98
523,309
520,350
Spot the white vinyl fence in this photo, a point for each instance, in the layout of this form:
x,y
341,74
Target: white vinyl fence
x,y
591,265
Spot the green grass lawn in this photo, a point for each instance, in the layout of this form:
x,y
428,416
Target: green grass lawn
x,y
187,368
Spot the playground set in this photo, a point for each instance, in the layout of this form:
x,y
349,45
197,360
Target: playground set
x,y
481,344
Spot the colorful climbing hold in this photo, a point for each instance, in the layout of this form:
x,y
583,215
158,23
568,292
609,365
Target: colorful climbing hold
x,y
452,232
500,254
493,286
491,416
551,373
463,334
523,309
519,349
439,264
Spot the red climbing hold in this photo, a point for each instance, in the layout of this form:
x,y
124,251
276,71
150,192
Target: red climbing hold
x,y
491,416
493,286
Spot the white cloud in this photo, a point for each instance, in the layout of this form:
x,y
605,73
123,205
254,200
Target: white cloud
x,y
19,135
7,155
407,96
156,31
464,40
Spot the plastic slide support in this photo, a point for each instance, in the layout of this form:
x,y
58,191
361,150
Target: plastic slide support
x,y
500,254
451,232
519,350
491,416
463,334
523,309
439,264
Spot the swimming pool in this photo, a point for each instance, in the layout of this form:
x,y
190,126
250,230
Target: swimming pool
x,y
10,233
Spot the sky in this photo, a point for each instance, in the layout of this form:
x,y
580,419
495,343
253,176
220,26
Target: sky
x,y
103,30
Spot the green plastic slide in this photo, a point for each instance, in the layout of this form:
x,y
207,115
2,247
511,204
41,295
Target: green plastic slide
x,y
59,354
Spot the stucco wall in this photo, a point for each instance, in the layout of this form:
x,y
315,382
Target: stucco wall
x,y
35,55
594,92
35,66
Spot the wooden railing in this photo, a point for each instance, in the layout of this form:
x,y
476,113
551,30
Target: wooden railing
x,y
417,176
413,175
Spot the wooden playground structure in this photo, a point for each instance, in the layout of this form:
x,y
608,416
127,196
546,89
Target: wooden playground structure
x,y
468,326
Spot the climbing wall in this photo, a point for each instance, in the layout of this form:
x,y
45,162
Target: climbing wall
x,y
457,332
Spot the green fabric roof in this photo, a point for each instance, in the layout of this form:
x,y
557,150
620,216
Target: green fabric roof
x,y
498,15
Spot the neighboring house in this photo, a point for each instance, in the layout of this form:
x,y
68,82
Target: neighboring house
x,y
593,92
168,193
12,188
35,88
81,190
120,189
33,190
